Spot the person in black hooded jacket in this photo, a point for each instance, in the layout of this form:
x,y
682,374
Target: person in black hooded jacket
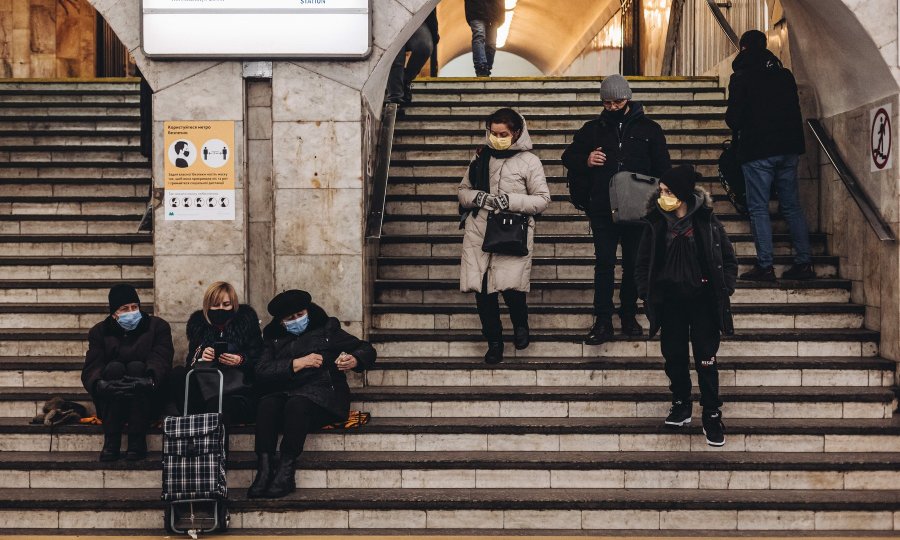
x,y
301,377
686,271
764,114
623,138
224,320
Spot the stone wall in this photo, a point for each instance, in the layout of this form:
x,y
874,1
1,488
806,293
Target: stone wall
x,y
47,39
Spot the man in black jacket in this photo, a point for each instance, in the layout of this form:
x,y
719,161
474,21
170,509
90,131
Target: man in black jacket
x,y
764,112
621,139
484,17
420,46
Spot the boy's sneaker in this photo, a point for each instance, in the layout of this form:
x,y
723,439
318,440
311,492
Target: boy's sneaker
x,y
758,273
679,414
799,272
713,427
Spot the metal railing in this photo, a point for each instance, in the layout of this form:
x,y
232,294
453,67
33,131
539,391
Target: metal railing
x,y
723,22
857,193
708,30
375,216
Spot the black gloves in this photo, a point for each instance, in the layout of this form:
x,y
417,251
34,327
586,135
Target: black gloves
x,y
126,386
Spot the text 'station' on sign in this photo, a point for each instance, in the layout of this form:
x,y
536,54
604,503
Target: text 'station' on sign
x,y
199,169
256,28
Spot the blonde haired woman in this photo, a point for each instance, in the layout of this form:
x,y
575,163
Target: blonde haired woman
x,y
224,334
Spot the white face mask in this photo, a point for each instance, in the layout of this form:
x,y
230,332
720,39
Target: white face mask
x,y
500,143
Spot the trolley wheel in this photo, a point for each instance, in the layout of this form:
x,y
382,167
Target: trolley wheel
x,y
167,519
224,516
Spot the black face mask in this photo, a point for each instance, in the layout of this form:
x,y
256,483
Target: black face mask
x,y
617,116
220,317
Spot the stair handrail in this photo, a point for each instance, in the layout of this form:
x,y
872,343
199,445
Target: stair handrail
x,y
859,195
723,23
375,217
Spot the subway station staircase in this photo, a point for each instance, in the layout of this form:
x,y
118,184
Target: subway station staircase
x,y
562,438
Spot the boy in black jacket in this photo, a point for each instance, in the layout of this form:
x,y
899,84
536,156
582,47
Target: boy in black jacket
x,y
685,272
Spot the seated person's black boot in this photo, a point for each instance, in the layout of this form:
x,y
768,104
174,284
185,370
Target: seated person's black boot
x,y
137,447
494,354
601,332
265,465
112,442
283,482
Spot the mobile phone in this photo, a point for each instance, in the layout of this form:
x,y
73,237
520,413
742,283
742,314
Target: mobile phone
x,y
220,347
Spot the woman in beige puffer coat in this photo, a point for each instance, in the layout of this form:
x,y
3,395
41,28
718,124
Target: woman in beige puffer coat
x,y
513,180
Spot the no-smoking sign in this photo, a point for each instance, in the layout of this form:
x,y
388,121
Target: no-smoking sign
x,y
881,138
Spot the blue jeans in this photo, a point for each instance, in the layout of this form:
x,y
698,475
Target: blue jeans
x,y
484,45
761,174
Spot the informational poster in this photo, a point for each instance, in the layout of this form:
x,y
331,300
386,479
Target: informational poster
x,y
199,169
881,138
256,28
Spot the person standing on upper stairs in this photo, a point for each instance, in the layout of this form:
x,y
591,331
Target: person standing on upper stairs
x,y
128,359
686,271
504,176
484,18
622,138
420,46
764,114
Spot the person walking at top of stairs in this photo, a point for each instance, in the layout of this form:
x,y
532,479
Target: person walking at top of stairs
x,y
622,138
504,176
685,272
484,17
764,112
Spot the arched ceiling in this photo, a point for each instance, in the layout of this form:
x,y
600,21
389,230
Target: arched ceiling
x,y
547,33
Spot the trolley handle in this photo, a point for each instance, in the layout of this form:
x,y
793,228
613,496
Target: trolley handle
x,y
187,385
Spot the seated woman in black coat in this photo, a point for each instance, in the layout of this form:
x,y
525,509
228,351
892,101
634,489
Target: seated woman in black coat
x,y
301,378
234,329
128,358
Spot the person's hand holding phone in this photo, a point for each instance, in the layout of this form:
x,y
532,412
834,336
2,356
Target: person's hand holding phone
x,y
209,354
597,158
228,359
346,362
312,360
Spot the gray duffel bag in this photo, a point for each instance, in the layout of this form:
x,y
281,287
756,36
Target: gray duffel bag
x,y
628,196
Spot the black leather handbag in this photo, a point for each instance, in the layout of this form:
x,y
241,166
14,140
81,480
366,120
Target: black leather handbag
x,y
506,233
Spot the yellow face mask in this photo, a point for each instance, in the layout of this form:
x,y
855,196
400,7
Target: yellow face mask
x,y
668,203
500,143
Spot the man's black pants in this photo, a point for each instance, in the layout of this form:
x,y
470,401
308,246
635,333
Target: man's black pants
x,y
607,237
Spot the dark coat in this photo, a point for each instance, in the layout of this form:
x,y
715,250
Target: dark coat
x,y
721,262
150,342
243,336
764,107
641,148
492,11
432,23
325,386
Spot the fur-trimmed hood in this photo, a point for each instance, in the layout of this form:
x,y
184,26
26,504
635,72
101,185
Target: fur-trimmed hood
x,y
653,208
317,319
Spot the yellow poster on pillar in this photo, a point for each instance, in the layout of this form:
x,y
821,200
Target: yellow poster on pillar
x,y
199,170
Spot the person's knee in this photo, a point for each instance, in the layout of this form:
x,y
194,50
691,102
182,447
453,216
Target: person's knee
x,y
136,368
113,371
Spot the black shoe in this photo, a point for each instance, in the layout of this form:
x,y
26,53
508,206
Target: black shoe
x,y
630,326
265,468
799,272
758,273
407,93
137,447
601,332
713,427
679,414
111,444
283,481
521,338
494,354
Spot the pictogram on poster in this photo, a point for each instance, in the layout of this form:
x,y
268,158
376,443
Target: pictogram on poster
x,y
199,169
881,138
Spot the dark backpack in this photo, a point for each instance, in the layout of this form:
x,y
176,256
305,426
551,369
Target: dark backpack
x,y
731,176
579,190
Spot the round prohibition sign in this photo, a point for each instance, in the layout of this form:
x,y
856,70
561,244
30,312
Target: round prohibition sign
x,y
881,139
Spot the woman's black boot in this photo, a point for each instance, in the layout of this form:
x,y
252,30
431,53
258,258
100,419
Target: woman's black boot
x,y
283,482
137,447
265,465
494,353
111,444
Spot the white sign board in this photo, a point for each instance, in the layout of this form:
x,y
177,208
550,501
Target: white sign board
x,y
256,28
881,138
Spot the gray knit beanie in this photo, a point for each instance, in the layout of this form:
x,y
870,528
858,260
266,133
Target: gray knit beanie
x,y
614,87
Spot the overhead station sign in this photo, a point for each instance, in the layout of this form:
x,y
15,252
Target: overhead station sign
x,y
256,28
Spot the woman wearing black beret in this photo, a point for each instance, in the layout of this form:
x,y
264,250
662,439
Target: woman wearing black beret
x,y
301,379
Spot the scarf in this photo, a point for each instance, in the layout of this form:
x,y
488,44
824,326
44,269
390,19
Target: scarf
x,y
480,175
682,273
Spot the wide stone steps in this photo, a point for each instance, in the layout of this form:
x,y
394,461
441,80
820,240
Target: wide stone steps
x,y
73,205
543,510
571,122
547,268
520,434
72,267
513,93
694,152
11,224
62,124
37,138
528,109
553,85
474,137
75,187
71,316
55,291
75,154
489,470
75,244
546,245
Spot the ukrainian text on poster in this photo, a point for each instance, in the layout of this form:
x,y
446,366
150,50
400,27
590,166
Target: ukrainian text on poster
x,y
199,170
